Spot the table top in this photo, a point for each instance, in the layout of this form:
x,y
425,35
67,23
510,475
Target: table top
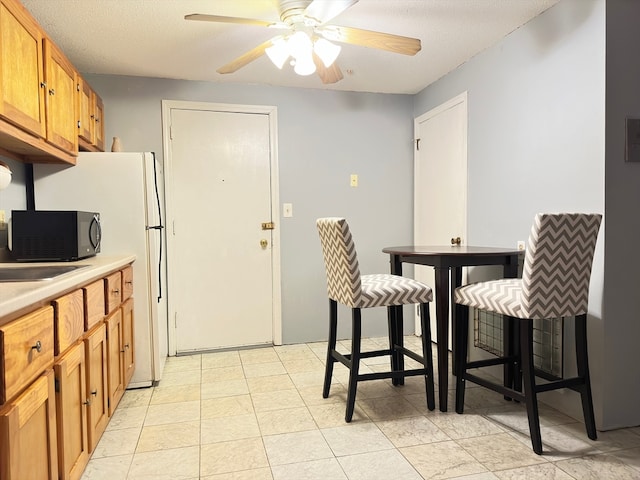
x,y
457,250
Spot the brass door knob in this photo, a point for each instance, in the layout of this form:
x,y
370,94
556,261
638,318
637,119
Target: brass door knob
x,y
264,243
456,241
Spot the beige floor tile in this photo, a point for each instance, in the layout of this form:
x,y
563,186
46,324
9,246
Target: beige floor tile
x,y
232,456
352,439
173,413
598,467
117,442
226,388
500,452
303,365
254,474
296,351
172,464
630,456
312,395
172,435
267,401
388,408
220,359
270,384
139,397
465,425
219,374
325,469
442,460
310,379
189,377
224,429
558,443
377,389
543,471
332,414
175,393
258,355
226,406
263,369
182,363
132,417
285,421
406,432
378,466
608,441
296,447
109,468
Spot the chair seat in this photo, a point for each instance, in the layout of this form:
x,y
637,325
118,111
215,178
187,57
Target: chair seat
x,y
499,296
384,290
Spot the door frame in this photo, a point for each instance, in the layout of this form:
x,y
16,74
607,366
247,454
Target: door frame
x,y
271,112
435,111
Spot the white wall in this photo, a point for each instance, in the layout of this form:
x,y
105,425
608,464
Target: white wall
x,y
537,143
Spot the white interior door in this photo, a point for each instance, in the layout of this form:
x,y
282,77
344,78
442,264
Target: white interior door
x,y
222,264
440,206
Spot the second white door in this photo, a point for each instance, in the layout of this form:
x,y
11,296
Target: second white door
x,y
440,207
221,263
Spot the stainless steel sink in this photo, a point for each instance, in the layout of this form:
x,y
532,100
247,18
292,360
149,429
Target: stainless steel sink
x,y
35,273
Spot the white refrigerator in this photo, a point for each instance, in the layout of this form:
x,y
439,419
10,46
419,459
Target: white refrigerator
x,y
127,189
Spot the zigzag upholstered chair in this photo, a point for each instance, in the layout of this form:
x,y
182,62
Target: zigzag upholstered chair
x,y
345,285
555,283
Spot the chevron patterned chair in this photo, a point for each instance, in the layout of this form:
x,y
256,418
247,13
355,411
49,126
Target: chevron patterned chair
x,y
555,283
345,285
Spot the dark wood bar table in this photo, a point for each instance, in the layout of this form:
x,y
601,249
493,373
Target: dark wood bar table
x,y
449,259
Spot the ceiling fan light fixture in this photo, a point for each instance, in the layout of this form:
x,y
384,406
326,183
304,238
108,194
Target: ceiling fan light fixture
x,y
304,65
278,52
327,51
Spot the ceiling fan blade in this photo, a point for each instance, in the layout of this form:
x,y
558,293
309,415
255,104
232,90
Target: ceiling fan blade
x,y
218,18
245,59
331,74
324,11
371,39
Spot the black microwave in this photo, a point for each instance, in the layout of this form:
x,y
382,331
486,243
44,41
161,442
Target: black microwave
x,y
54,235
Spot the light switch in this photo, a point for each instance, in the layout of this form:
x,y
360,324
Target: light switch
x,y
354,180
287,210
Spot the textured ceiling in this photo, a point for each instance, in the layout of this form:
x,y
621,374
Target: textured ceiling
x,y
151,38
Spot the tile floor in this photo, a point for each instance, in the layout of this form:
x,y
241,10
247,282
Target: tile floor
x,y
259,414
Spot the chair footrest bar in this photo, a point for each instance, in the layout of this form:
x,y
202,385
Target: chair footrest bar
x,y
396,374
496,387
571,383
411,354
491,361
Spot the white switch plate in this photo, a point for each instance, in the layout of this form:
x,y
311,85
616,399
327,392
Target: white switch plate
x,y
287,210
354,180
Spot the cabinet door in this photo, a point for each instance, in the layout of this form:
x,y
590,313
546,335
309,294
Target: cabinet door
x,y
94,306
60,77
97,384
22,99
68,320
86,123
127,282
127,340
115,359
28,447
71,410
98,118
113,291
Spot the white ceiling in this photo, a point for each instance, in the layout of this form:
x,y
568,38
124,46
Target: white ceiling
x,y
150,38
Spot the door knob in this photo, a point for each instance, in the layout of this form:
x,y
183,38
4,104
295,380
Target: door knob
x,y
264,243
456,241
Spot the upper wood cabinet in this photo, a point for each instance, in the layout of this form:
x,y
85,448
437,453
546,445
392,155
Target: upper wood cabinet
x,y
39,111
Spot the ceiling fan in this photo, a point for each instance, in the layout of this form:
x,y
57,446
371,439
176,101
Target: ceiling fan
x,y
307,40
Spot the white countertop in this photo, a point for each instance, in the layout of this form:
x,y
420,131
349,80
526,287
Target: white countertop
x,y
16,296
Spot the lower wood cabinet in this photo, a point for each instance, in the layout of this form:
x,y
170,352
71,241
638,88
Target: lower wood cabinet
x,y
128,363
28,446
115,359
71,413
97,384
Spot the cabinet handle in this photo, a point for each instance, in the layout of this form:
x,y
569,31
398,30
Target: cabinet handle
x,y
43,84
116,291
94,392
129,282
87,402
37,346
93,116
52,91
97,120
126,346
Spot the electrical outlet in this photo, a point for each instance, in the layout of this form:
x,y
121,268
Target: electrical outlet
x,y
354,180
520,244
287,210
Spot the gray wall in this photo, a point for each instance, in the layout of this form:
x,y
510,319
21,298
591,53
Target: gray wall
x,y
622,186
323,137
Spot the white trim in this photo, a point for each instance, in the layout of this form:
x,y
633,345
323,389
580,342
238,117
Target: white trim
x,y
271,111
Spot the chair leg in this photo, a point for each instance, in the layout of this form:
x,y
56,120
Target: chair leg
x,y
331,346
355,363
582,362
427,355
529,383
462,345
392,317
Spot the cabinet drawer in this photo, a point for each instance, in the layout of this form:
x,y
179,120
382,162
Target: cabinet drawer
x,y
26,349
69,320
94,306
113,291
127,283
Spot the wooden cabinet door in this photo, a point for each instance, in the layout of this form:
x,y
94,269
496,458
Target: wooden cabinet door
x,y
94,306
115,359
127,340
68,320
22,99
97,384
60,77
86,123
71,410
113,291
28,447
98,118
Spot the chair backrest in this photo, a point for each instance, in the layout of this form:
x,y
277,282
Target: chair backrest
x,y
557,265
340,261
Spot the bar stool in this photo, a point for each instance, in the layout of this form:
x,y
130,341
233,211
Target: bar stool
x,y
346,286
555,283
